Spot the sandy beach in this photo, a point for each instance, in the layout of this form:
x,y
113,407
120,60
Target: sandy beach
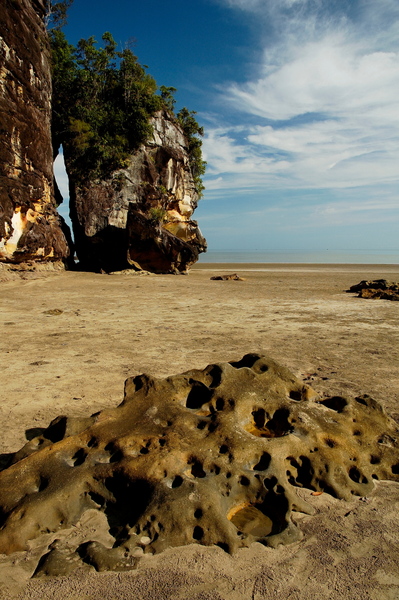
x,y
69,340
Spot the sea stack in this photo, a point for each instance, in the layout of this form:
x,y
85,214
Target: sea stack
x,y
140,216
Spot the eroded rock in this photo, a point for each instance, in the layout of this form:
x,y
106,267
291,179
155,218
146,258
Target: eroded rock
x,y
30,228
376,289
141,216
209,457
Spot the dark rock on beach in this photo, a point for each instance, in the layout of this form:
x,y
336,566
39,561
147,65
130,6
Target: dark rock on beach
x,y
376,289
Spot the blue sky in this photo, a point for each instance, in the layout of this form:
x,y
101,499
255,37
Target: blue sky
x,y
299,100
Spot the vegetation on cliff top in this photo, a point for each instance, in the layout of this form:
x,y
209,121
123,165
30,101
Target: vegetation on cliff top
x,y
103,100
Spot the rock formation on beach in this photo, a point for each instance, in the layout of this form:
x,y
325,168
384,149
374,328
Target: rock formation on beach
x,y
376,289
30,228
210,456
140,215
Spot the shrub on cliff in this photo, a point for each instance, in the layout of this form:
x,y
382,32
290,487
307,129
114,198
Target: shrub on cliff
x,y
103,100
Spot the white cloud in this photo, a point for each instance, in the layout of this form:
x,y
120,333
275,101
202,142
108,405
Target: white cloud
x,y
330,96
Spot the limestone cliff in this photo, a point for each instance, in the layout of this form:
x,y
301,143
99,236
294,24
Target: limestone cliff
x,y
30,228
141,215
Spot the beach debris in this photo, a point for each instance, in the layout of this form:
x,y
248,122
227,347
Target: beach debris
x,y
210,456
376,289
54,312
232,277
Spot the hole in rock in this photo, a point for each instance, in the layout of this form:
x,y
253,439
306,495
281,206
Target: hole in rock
x,y
223,546
259,416
130,499
244,480
92,442
361,400
356,476
197,470
357,432
219,404
43,484
305,471
138,382
212,427
223,449
295,395
198,513
374,476
228,475
395,469
275,507
111,448
247,361
144,450
263,368
97,498
217,470
280,489
116,457
56,430
216,373
33,432
375,460
263,463
252,521
336,403
232,403
198,533
269,483
177,481
198,395
277,426
162,442
79,457
330,443
201,425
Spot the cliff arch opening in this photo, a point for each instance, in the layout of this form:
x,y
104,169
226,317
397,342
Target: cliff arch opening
x,y
61,195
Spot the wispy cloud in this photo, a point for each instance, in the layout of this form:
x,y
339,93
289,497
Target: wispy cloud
x,y
326,100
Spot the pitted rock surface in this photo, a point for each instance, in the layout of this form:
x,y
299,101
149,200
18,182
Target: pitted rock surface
x,y
209,457
376,289
141,215
30,228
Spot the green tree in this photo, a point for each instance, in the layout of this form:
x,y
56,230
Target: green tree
x,y
56,13
167,95
192,130
103,101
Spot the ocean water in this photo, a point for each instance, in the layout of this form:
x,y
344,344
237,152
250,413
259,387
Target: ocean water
x,y
364,257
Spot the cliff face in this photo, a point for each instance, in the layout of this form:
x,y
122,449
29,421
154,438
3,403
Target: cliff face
x,y
30,228
141,215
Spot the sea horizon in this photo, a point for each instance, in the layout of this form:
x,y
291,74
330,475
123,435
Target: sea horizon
x,y
302,256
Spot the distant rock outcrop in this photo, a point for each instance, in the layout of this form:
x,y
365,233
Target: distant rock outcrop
x,y
232,277
211,456
377,289
30,228
140,216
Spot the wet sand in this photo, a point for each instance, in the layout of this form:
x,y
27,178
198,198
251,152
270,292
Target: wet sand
x,y
69,340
